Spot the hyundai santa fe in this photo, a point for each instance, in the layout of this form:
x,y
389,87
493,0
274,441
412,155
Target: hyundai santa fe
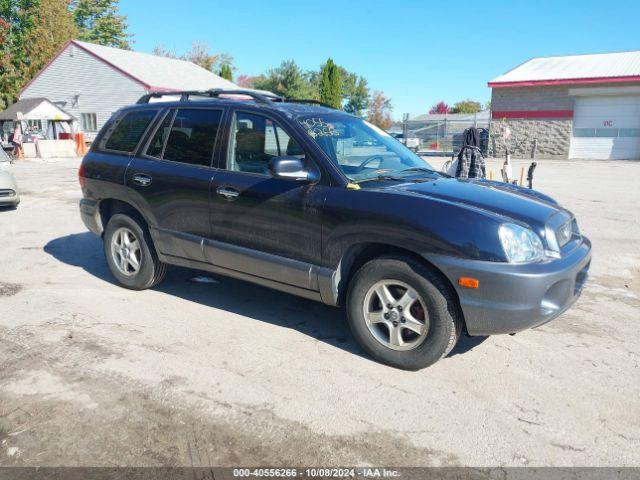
x,y
318,203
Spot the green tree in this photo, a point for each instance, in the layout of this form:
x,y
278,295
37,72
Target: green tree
x,y
466,106
16,20
356,92
98,21
380,110
226,72
53,27
287,80
331,84
31,31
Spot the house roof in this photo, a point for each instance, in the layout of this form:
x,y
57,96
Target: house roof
x,y
155,73
34,109
573,69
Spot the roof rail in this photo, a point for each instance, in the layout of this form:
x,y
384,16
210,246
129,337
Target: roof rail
x,y
293,100
212,93
216,92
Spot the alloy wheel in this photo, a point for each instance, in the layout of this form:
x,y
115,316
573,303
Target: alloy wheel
x,y
126,252
396,315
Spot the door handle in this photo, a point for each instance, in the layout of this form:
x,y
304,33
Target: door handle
x,y
142,179
228,193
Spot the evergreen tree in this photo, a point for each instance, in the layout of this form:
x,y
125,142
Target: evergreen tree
x,y
331,84
98,22
226,72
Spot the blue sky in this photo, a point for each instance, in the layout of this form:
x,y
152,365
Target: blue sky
x,y
417,52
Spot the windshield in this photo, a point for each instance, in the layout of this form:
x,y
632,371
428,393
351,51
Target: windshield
x,y
360,149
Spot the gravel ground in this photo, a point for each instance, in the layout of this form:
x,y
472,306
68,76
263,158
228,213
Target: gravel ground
x,y
227,373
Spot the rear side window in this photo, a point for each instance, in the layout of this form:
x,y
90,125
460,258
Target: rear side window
x,y
187,137
156,146
125,133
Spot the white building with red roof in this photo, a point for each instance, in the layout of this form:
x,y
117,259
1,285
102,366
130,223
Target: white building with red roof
x,y
577,106
92,81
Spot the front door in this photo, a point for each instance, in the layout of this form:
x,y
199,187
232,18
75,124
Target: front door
x,y
267,227
172,176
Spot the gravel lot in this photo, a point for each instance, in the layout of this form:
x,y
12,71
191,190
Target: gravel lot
x,y
228,373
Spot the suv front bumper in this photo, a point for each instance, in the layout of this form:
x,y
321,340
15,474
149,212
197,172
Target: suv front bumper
x,y
512,297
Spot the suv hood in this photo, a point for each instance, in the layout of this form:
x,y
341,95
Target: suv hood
x,y
517,203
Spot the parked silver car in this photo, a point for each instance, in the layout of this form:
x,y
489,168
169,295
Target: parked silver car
x,y
8,187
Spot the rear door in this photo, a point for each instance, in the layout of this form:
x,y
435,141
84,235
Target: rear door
x,y
267,227
171,176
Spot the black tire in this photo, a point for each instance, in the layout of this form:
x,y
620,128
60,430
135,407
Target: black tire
x,y
151,271
444,314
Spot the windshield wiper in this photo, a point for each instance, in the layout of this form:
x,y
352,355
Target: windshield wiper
x,y
418,169
395,176
379,177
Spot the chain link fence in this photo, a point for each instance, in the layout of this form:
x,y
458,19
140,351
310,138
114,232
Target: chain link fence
x,y
443,136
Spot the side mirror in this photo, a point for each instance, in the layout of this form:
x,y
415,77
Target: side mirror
x,y
293,168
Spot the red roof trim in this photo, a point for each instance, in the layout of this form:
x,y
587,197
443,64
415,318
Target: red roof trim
x,y
162,89
567,81
90,53
532,114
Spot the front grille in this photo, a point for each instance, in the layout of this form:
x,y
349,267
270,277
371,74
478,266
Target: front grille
x,y
7,192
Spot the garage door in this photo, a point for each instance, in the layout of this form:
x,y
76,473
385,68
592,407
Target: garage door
x,y
606,128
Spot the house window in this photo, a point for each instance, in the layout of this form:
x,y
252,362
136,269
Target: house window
x,y
88,122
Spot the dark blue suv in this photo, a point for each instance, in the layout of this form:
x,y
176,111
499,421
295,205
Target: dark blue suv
x,y
315,202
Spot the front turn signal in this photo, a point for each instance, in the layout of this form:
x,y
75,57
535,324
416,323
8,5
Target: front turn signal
x,y
468,282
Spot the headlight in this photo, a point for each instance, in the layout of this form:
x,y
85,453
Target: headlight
x,y
520,244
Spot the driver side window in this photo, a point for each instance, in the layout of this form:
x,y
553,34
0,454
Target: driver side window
x,y
255,140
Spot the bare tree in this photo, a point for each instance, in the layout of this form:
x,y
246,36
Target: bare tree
x,y
380,110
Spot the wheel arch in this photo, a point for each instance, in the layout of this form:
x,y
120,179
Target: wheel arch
x,y
359,254
108,207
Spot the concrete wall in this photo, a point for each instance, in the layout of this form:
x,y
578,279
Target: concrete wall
x,y
531,98
100,88
532,138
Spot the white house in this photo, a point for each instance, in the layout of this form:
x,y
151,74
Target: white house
x,y
91,82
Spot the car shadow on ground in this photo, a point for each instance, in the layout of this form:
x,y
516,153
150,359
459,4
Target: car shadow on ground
x,y
319,321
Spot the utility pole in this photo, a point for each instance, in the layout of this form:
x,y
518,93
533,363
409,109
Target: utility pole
x,y
405,127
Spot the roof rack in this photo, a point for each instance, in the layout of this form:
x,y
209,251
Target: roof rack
x,y
292,100
212,93
216,92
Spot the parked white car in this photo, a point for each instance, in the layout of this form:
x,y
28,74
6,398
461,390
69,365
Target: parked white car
x,y
411,142
8,187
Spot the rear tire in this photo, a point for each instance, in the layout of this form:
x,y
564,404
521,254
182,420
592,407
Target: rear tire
x,y
130,253
392,336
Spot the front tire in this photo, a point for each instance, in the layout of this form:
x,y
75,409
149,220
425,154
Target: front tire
x,y
402,313
130,254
